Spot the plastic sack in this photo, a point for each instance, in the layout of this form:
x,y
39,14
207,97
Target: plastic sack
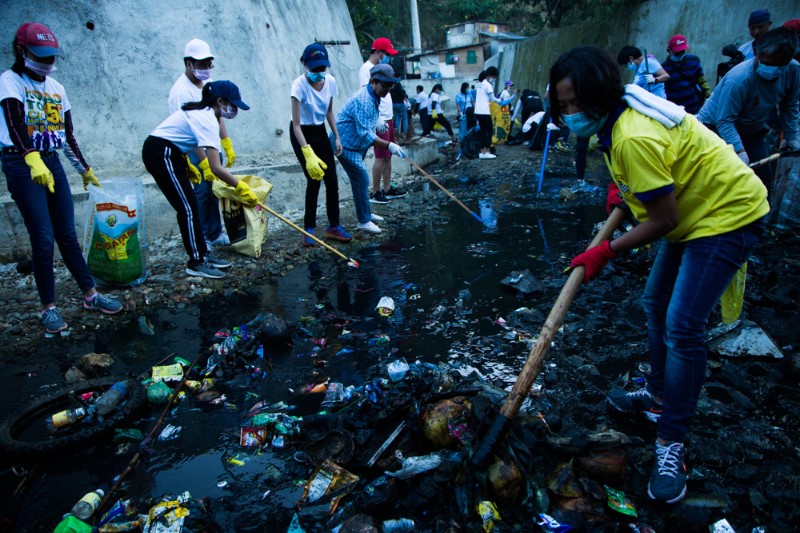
x,y
501,122
246,226
115,238
785,197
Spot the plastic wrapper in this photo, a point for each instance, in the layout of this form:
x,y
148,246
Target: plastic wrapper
x,y
253,436
489,515
115,236
618,501
329,478
168,373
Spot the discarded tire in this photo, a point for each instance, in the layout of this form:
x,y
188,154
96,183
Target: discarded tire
x,y
14,442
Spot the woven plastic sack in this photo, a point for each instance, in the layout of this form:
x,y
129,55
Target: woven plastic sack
x,y
246,226
115,238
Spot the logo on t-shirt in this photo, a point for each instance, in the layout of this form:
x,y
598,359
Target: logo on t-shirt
x,y
44,117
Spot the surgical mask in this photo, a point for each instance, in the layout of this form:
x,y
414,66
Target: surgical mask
x,y
42,69
315,77
202,74
228,111
675,58
583,126
769,72
632,66
385,60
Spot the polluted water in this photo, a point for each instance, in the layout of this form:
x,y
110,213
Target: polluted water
x,y
352,417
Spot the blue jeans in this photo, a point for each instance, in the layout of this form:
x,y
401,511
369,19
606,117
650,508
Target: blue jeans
x,y
462,127
49,218
207,206
686,282
353,164
400,117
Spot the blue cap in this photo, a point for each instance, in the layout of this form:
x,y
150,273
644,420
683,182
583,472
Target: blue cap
x,y
315,56
759,16
383,72
229,91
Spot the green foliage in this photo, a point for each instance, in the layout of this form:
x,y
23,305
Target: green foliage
x,y
370,20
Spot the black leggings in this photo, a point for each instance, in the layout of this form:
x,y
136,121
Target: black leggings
x,y
317,138
441,119
485,122
168,167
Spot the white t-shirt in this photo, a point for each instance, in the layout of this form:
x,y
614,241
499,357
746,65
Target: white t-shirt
x,y
45,103
484,94
183,91
314,103
385,108
190,129
505,95
422,100
434,102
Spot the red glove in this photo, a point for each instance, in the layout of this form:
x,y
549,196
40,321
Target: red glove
x,y
594,259
614,198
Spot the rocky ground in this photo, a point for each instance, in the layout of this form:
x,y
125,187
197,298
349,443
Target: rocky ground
x,y
743,453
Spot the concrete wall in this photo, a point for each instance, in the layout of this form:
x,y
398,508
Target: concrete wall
x,y
708,26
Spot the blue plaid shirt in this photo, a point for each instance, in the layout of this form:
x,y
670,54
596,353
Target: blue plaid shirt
x,y
357,120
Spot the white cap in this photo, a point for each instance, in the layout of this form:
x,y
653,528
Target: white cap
x,y
198,49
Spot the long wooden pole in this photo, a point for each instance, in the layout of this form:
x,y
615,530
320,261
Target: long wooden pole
x,y
448,193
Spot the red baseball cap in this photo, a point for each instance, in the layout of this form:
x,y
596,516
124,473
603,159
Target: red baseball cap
x,y
38,39
384,45
678,43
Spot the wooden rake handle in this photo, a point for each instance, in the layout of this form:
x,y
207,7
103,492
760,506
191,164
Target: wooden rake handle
x,y
448,193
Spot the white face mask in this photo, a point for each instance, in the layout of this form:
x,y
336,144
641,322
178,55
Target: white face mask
x,y
202,74
42,69
228,111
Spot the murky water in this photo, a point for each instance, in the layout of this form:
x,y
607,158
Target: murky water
x,y
444,277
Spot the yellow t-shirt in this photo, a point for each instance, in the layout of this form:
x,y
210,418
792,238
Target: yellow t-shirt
x,y
715,191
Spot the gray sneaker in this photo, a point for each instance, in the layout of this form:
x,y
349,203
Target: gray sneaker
x,y
103,304
668,479
53,321
639,401
204,270
215,261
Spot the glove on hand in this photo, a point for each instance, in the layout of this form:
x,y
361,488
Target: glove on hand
x,y
790,146
593,260
89,177
382,126
396,150
206,168
434,115
315,166
744,157
227,145
552,127
40,174
246,194
614,199
649,78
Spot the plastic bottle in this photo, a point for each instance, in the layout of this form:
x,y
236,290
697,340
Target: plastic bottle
x,y
64,418
398,525
87,505
111,398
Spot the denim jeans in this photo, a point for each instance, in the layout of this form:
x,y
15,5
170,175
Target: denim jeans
x,y
207,206
462,127
685,283
353,164
400,117
49,218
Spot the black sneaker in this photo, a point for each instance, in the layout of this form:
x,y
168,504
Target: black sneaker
x,y
668,479
639,401
394,193
378,198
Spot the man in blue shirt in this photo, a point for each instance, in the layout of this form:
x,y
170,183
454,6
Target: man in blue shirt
x,y
648,73
758,24
740,105
356,122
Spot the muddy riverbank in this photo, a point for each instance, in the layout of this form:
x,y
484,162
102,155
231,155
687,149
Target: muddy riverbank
x,y
444,272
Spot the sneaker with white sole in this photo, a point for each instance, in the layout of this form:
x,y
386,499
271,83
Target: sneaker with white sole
x,y
53,321
221,240
376,218
204,270
639,401
215,261
668,478
394,192
487,155
369,227
378,198
102,303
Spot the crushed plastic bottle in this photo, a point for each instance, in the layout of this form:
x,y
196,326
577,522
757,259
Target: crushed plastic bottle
x,y
111,398
411,466
399,525
87,505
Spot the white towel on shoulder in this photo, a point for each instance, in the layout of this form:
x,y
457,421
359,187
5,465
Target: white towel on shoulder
x,y
655,107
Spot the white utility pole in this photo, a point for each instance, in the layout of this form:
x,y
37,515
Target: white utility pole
x,y
416,39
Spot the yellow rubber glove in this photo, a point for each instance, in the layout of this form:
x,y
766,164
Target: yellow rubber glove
x,y
206,168
191,170
246,195
89,177
229,153
40,174
315,166
435,115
